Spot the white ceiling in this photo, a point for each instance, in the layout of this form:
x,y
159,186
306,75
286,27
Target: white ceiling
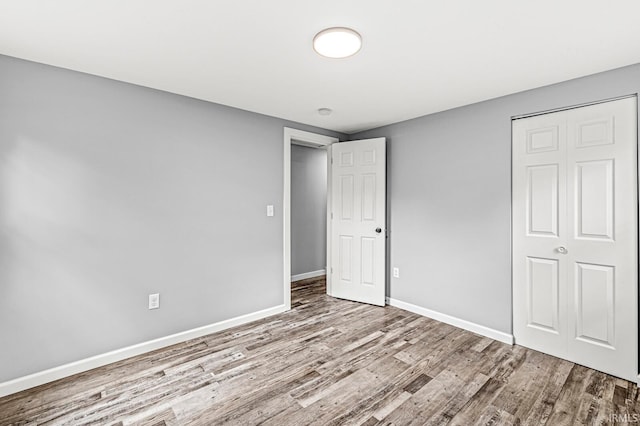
x,y
418,56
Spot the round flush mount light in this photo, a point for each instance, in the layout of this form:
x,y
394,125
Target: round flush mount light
x,y
325,111
337,42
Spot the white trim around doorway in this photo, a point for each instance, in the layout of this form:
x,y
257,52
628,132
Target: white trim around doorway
x,y
300,137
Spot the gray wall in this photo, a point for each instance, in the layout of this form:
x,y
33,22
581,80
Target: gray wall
x,y
308,209
109,192
449,198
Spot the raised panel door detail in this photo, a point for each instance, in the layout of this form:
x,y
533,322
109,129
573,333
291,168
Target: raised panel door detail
x,y
355,250
575,235
542,140
542,293
594,133
369,197
346,196
542,200
346,159
368,256
369,158
594,200
345,258
595,287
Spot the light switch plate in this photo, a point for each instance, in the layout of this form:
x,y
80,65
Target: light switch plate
x,y
154,301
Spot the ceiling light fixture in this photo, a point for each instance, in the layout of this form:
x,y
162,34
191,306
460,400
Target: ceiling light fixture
x,y
337,42
325,111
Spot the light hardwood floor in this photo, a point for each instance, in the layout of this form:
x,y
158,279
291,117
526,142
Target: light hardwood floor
x,y
332,362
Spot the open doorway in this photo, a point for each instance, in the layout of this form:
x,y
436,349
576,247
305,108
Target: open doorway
x,y
308,216
356,230
304,154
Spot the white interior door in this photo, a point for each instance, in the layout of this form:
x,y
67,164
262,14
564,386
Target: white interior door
x,y
575,228
358,218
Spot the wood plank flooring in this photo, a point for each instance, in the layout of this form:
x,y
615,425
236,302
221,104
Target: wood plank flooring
x,y
332,362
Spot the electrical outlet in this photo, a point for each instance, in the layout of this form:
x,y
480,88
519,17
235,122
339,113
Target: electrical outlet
x,y
396,272
154,301
270,210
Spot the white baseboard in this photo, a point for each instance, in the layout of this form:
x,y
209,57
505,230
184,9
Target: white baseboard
x,y
456,322
40,378
306,275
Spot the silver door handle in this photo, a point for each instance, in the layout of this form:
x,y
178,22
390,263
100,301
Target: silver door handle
x,y
562,250
378,230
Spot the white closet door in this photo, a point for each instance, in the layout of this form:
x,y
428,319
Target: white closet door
x,y
539,228
575,235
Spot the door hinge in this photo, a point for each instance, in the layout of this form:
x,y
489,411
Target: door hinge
x,y
331,215
332,159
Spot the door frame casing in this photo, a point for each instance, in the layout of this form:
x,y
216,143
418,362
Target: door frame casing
x,y
301,137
